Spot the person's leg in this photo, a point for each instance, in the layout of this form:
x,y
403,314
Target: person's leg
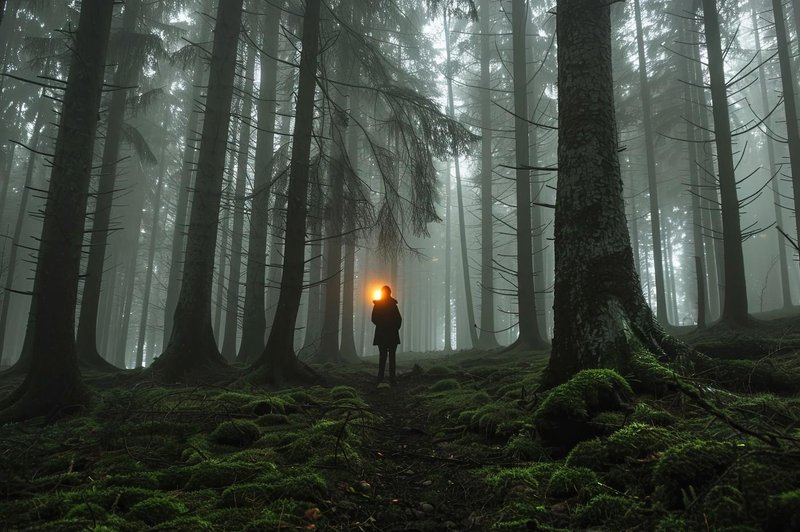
x,y
392,355
382,352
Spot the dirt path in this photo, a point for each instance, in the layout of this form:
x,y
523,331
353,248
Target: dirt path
x,y
409,480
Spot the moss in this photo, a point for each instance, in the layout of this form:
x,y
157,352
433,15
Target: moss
x,y
523,446
156,510
267,405
570,481
439,371
333,442
497,419
522,516
264,456
645,413
785,511
87,510
564,417
688,467
221,474
672,523
231,518
344,392
534,476
638,440
589,453
234,400
444,385
173,477
186,523
724,505
271,420
143,479
237,432
611,511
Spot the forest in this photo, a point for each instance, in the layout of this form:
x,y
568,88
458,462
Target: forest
x,y
399,265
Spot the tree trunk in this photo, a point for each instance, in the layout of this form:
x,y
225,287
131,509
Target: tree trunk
x,y
278,363
127,75
181,209
487,338
652,183
237,233
734,310
192,346
53,383
254,323
788,83
783,264
448,311
599,304
15,242
530,336
151,253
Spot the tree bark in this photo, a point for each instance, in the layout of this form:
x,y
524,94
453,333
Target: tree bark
x,y
181,209
254,323
151,253
192,346
652,182
278,363
229,342
530,336
473,333
487,338
448,311
599,305
53,383
127,75
734,309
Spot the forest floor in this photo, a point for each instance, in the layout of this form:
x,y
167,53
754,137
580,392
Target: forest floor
x,y
462,442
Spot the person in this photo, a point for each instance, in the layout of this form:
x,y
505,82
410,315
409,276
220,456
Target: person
x,y
387,320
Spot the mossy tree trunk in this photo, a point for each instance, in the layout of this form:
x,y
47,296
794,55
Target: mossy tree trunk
x,y
53,381
192,346
599,310
279,363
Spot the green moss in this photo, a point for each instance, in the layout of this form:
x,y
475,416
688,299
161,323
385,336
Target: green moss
x,y
785,511
688,467
672,523
234,400
725,506
89,510
156,510
444,385
606,510
298,485
644,413
497,419
271,420
439,371
173,477
143,479
522,516
534,476
333,442
237,432
564,417
267,405
589,453
638,440
186,523
570,481
221,474
523,446
344,392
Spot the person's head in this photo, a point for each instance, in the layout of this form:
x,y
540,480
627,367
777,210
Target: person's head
x,y
386,292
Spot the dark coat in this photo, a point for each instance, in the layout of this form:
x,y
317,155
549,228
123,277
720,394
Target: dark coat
x,y
387,320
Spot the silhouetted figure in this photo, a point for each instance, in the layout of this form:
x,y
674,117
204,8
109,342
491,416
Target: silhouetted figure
x,y
387,320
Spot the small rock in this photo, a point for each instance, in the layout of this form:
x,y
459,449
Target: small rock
x,y
426,507
426,482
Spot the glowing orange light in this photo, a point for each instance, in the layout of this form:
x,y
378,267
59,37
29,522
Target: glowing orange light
x,y
377,294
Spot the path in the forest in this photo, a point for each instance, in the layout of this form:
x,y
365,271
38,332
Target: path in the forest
x,y
409,480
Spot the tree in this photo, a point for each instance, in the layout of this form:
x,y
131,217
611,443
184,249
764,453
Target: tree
x,y
600,315
734,310
529,334
278,362
254,323
487,338
53,381
192,347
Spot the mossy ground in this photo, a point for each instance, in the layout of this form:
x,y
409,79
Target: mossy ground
x,y
462,442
